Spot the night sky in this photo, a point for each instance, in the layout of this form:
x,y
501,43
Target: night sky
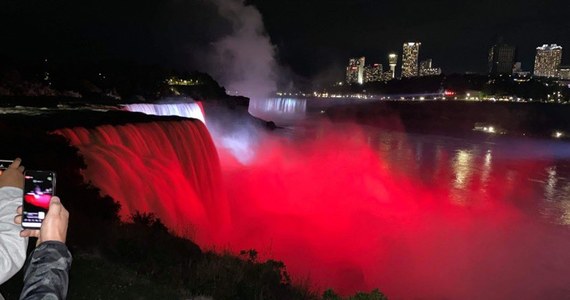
x,y
313,39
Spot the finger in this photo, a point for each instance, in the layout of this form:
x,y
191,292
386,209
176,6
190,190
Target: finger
x,y
54,206
30,233
16,163
21,169
18,219
20,210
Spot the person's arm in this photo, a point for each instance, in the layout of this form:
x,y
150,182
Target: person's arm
x,y
47,276
12,245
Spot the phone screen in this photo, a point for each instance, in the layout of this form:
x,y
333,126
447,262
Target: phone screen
x,y
39,187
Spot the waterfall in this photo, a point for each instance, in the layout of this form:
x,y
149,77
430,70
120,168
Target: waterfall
x,y
188,110
169,168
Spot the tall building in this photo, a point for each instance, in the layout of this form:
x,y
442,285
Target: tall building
x,y
564,72
373,73
501,58
387,75
410,56
355,70
425,64
547,60
426,68
393,61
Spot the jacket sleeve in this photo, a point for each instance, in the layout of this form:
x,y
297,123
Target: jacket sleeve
x,y
47,275
12,246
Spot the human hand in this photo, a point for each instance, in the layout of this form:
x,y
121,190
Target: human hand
x,y
54,226
14,175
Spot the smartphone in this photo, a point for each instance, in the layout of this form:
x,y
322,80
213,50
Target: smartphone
x,y
39,187
4,164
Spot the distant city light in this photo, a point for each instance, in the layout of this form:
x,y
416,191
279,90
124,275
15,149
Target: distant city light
x,y
178,81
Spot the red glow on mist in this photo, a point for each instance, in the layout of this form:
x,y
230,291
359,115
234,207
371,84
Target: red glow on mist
x,y
336,212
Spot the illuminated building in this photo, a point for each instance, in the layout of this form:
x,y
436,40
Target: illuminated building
x,y
355,70
501,59
387,75
373,73
410,56
393,61
426,68
519,75
564,72
547,60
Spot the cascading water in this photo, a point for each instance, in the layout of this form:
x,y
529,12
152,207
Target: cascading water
x,y
169,168
282,110
188,109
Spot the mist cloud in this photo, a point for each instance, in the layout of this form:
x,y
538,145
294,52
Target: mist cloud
x,y
243,61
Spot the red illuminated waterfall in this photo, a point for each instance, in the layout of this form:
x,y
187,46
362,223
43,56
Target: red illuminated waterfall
x,y
168,168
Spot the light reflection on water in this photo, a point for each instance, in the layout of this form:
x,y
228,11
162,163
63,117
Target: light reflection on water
x,y
467,164
462,167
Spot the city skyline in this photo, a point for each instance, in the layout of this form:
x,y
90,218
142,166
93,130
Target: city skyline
x,y
457,35
411,65
502,60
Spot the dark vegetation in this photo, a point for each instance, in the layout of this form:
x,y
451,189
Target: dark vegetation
x,y
108,82
139,259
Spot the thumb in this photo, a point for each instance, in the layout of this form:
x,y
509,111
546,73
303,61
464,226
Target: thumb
x,y
54,206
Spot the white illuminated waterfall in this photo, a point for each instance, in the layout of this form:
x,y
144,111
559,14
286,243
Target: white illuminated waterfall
x,y
279,110
187,110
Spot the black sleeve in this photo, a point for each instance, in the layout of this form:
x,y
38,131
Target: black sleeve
x,y
47,275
